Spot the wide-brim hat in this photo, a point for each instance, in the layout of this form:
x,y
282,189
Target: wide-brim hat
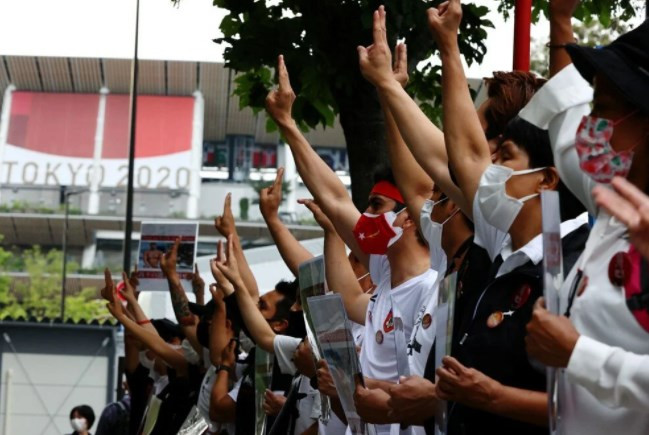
x,y
625,62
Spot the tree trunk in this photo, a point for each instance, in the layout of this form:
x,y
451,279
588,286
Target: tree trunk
x,y
363,127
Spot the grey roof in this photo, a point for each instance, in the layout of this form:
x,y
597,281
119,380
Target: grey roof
x,y
156,77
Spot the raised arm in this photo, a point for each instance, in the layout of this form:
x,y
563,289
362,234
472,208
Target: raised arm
x,y
179,301
423,138
149,339
322,182
222,407
225,225
466,144
413,182
218,337
292,252
340,276
561,12
198,286
262,334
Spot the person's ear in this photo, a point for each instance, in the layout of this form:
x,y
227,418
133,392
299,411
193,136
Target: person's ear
x,y
279,326
550,180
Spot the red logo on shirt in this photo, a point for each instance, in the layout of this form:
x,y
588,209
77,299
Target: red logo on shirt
x,y
388,323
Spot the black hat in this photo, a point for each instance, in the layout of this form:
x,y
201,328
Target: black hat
x,y
202,311
625,62
167,329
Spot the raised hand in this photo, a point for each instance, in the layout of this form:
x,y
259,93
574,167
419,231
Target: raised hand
x,y
217,295
631,207
228,357
279,102
444,23
375,61
228,266
318,214
198,285
133,278
168,261
221,281
400,67
562,8
116,308
326,384
303,359
271,197
129,291
108,291
224,224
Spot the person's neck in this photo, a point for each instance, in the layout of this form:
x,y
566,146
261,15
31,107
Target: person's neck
x,y
408,258
453,236
527,224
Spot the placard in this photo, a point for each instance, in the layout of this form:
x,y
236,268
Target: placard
x,y
444,316
156,239
263,375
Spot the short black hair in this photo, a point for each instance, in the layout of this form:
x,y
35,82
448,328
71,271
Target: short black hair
x,y
384,173
86,412
290,291
536,143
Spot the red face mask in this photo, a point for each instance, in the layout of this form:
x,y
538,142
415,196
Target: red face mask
x,y
375,233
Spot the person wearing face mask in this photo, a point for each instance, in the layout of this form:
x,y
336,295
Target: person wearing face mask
x,y
600,340
489,381
384,238
82,418
268,335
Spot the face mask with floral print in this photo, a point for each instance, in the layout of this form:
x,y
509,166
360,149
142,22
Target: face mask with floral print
x,y
597,157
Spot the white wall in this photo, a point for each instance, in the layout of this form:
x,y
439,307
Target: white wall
x,y
59,382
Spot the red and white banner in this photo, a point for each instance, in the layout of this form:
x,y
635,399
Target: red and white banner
x,y
52,139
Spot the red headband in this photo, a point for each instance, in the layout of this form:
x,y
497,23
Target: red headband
x,y
388,189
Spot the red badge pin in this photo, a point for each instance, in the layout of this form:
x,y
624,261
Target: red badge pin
x,y
521,296
388,323
619,269
379,337
426,321
582,285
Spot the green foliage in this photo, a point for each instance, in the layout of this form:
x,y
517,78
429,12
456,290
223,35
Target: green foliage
x,y
319,40
587,11
28,207
40,295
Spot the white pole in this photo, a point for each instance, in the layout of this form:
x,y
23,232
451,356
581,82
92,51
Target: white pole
x,y
196,156
4,126
6,424
93,199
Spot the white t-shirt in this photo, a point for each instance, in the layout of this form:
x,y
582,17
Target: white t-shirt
x,y
379,349
309,406
378,353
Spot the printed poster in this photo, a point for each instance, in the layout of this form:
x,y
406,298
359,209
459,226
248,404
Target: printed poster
x,y
156,239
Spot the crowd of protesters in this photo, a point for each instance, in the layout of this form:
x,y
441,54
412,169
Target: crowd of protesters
x,y
464,201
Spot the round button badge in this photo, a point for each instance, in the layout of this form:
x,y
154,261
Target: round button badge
x,y
426,321
379,337
495,319
619,269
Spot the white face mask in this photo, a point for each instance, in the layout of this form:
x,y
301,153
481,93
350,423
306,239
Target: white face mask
x,y
498,208
432,232
78,424
191,356
145,361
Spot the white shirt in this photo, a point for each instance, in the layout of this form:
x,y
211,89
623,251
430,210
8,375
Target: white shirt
x,y
308,407
605,389
496,242
378,357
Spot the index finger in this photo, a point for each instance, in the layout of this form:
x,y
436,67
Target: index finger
x,y
284,82
196,269
278,179
227,203
377,29
176,244
108,279
539,304
220,253
629,191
